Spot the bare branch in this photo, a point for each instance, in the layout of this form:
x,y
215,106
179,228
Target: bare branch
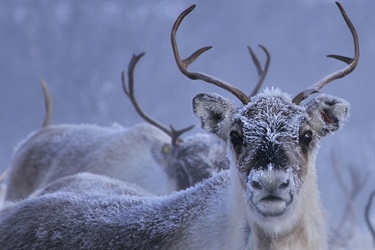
x,y
129,91
352,64
367,215
341,236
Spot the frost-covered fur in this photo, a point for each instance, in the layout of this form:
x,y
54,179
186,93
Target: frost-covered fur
x,y
272,145
197,158
71,220
268,199
141,155
89,183
62,150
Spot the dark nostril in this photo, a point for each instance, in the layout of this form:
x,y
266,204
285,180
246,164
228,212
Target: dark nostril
x,y
284,185
256,185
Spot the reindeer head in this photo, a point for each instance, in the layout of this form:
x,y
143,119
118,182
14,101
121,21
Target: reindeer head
x,y
271,142
272,139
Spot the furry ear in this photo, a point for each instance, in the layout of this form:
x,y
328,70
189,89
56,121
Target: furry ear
x,y
327,113
215,113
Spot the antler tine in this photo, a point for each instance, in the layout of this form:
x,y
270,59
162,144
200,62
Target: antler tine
x,y
261,72
177,133
47,103
129,91
183,64
352,64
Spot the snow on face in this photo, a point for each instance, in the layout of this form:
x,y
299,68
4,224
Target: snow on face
x,y
271,165
270,126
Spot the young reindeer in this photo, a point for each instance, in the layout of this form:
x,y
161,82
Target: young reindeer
x,y
148,155
268,199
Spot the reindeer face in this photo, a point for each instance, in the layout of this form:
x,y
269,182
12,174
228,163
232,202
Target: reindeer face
x,y
197,158
271,143
265,140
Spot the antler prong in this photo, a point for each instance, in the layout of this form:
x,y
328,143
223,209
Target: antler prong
x,y
132,64
186,62
183,64
177,133
345,59
47,103
352,64
129,91
262,72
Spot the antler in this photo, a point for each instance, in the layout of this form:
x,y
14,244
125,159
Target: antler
x,y
183,64
352,64
261,72
47,103
174,134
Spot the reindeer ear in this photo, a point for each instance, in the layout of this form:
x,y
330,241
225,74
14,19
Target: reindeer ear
x,y
327,113
215,113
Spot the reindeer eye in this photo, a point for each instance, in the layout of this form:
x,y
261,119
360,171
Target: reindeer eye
x,y
307,137
235,139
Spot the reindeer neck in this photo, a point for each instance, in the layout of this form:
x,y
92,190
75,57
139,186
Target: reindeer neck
x,y
307,234
189,219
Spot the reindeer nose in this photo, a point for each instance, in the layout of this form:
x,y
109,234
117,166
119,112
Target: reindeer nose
x,y
271,181
259,186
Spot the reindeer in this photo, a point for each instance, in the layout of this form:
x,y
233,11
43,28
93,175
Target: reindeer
x,y
268,199
4,175
199,156
54,152
57,151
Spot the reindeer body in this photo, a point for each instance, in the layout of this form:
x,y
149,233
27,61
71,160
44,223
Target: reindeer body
x,y
58,151
141,155
92,184
267,200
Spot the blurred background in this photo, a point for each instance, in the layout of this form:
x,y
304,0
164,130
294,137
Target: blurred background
x,y
81,47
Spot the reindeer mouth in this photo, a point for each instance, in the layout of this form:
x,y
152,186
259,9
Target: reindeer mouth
x,y
271,206
271,198
271,191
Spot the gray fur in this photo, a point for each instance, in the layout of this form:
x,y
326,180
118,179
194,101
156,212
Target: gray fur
x,y
199,157
68,220
89,183
137,155
268,199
